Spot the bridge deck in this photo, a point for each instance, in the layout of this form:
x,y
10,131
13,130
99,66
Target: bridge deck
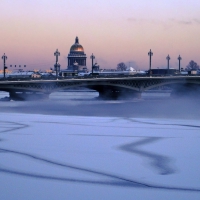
x,y
104,85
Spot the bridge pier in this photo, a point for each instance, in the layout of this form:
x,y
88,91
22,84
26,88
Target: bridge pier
x,y
28,96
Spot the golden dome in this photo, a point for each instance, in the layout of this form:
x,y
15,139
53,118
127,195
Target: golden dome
x,y
76,47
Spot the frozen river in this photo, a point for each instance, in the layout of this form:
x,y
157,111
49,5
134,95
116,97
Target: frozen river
x,y
74,146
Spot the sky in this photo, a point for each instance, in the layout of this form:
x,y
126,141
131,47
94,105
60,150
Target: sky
x,y
113,30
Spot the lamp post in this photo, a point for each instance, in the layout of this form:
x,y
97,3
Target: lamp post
x,y
168,58
4,57
92,57
150,53
179,64
57,53
19,66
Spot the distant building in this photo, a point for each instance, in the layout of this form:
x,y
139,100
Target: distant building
x,y
47,75
163,71
192,72
24,74
6,71
76,60
76,55
96,67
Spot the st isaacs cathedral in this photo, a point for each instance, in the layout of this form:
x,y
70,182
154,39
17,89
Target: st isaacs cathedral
x,y
76,60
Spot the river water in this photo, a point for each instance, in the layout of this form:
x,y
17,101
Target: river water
x,y
76,146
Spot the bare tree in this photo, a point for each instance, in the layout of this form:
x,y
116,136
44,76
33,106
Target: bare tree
x,y
121,66
192,66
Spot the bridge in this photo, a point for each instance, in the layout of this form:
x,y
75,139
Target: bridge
x,y
111,87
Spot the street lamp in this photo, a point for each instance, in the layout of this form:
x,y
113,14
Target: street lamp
x,y
92,57
179,65
168,58
4,57
57,53
150,54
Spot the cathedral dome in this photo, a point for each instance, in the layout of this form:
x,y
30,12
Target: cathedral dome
x,y
76,47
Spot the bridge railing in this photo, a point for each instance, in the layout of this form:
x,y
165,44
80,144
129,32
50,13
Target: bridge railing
x,y
96,76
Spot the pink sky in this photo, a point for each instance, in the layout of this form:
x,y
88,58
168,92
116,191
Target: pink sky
x,y
115,31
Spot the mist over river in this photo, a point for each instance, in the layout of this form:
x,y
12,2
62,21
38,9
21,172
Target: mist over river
x,y
86,103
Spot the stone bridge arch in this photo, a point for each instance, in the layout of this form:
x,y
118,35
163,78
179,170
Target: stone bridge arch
x,y
179,87
106,89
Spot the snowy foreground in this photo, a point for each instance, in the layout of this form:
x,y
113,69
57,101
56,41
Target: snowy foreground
x,y
47,157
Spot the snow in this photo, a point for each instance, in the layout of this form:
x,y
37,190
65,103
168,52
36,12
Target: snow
x,y
72,157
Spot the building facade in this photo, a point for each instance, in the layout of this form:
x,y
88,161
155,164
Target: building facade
x,y
76,60
77,56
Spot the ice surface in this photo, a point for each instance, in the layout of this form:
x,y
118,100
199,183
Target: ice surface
x,y
73,157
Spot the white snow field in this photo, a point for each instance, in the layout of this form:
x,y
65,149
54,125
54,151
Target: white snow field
x,y
48,157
